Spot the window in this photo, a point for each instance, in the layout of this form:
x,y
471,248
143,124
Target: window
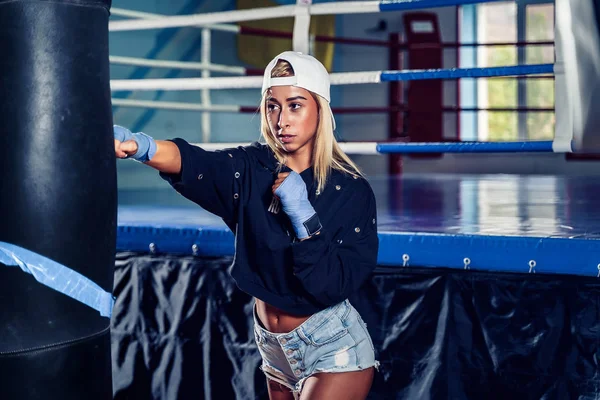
x,y
540,92
496,24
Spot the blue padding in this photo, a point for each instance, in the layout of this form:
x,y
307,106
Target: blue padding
x,y
466,147
58,277
178,230
492,253
454,73
204,242
404,5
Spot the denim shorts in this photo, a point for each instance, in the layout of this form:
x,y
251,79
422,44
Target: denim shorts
x,y
333,340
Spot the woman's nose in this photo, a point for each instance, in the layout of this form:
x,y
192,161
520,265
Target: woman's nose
x,y
283,120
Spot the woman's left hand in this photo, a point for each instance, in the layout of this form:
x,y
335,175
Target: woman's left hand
x,y
291,190
280,178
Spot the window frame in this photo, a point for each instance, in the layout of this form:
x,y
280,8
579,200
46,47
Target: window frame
x,y
468,27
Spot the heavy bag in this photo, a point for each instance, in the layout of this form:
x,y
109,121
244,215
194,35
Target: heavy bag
x,y
58,195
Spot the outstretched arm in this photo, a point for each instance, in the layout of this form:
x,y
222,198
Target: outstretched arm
x,y
161,155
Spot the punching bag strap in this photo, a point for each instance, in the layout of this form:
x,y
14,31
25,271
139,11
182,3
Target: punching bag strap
x,y
58,277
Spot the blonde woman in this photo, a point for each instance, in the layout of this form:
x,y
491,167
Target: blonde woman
x,y
305,229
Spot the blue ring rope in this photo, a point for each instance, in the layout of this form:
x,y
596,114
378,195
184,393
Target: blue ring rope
x,y
58,277
466,147
404,5
454,73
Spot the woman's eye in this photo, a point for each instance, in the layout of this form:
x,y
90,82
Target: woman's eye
x,y
271,107
295,106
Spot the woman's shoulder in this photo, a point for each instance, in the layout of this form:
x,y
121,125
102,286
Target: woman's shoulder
x,y
357,183
256,145
262,154
257,149
258,154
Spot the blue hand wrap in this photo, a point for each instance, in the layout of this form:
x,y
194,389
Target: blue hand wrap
x,y
146,144
294,202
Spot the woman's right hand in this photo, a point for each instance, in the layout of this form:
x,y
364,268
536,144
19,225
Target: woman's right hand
x,y
138,146
161,155
125,149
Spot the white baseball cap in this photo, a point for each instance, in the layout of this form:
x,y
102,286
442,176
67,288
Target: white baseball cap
x,y
309,74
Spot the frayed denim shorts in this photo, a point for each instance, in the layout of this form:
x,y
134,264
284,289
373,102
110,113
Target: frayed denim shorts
x,y
333,340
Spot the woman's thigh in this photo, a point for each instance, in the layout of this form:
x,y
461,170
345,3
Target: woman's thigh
x,y
277,391
353,385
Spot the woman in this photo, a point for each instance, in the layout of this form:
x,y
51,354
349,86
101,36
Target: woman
x,y
305,228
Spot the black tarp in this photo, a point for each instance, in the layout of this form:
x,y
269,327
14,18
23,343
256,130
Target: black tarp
x,y
182,330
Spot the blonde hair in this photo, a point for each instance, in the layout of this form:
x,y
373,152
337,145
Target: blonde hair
x,y
327,153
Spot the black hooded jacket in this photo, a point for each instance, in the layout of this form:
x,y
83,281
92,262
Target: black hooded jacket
x,y
299,277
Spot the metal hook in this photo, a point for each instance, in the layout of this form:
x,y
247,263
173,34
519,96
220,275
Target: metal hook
x,y
405,259
532,265
467,262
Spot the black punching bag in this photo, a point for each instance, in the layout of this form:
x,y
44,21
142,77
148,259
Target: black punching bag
x,y
57,195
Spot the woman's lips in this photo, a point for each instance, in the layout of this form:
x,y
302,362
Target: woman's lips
x,y
286,138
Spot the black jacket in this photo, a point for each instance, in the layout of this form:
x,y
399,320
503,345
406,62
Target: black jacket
x,y
300,277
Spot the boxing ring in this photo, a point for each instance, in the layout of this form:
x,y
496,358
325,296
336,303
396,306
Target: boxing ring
x,y
486,285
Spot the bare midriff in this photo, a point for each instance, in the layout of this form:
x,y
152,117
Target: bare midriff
x,y
276,320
